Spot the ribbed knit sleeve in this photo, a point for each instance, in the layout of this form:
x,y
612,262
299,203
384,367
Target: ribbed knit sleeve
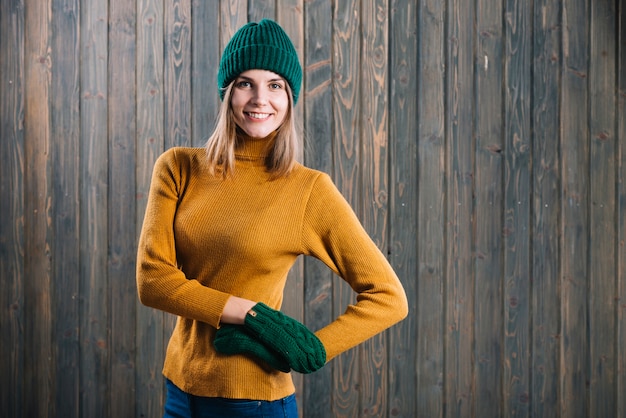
x,y
205,238
333,234
160,282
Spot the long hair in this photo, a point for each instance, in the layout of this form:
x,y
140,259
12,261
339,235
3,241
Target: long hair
x,y
221,145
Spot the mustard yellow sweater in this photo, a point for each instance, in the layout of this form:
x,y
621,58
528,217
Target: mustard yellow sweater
x,y
205,238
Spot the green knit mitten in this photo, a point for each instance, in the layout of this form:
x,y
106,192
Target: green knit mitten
x,y
304,352
234,339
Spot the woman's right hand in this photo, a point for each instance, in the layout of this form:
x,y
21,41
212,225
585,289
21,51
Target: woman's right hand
x,y
235,310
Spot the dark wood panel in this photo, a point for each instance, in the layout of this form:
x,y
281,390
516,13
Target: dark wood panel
x,y
346,156
39,372
621,208
316,102
12,209
259,9
65,207
459,297
488,168
431,215
205,53
291,22
602,229
575,217
546,225
517,208
489,209
122,248
374,213
94,220
403,204
177,73
151,333
233,15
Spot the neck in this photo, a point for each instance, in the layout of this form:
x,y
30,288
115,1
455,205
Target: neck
x,y
250,147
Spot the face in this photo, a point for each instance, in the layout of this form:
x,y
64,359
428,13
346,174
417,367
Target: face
x,y
259,102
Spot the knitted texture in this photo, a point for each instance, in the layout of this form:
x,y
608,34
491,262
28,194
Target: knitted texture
x,y
262,46
233,339
204,239
299,346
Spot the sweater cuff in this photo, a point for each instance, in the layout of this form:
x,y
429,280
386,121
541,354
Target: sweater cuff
x,y
217,309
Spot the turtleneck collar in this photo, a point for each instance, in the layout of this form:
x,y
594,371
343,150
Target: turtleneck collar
x,y
249,148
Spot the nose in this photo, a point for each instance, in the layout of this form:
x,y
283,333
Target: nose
x,y
260,96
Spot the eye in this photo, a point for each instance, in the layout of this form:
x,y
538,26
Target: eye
x,y
276,86
243,84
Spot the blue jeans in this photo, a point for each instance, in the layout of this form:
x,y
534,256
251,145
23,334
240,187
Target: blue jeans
x,y
183,405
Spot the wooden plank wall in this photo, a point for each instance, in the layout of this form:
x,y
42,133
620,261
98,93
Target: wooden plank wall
x,y
481,143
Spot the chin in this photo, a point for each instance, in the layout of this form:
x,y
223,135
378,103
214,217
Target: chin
x,y
258,134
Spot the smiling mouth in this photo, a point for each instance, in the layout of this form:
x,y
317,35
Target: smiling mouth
x,y
258,116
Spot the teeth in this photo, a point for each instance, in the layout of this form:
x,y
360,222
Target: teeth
x,y
258,115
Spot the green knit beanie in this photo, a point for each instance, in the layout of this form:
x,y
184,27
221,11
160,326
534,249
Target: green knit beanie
x,y
260,46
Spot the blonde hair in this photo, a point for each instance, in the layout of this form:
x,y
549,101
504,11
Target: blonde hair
x,y
220,147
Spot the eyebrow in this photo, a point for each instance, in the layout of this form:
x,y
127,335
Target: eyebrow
x,y
270,80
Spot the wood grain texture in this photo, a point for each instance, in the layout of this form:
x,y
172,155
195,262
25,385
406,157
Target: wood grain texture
x,y
260,9
621,208
602,229
431,215
233,15
316,103
205,54
575,206
176,73
546,225
65,206
94,219
403,142
12,209
289,15
481,144
151,331
517,208
490,363
346,171
374,185
459,287
122,246
39,372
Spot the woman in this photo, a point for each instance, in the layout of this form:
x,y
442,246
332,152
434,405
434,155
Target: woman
x,y
223,226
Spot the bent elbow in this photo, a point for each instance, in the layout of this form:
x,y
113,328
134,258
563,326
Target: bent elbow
x,y
143,293
147,290
402,307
